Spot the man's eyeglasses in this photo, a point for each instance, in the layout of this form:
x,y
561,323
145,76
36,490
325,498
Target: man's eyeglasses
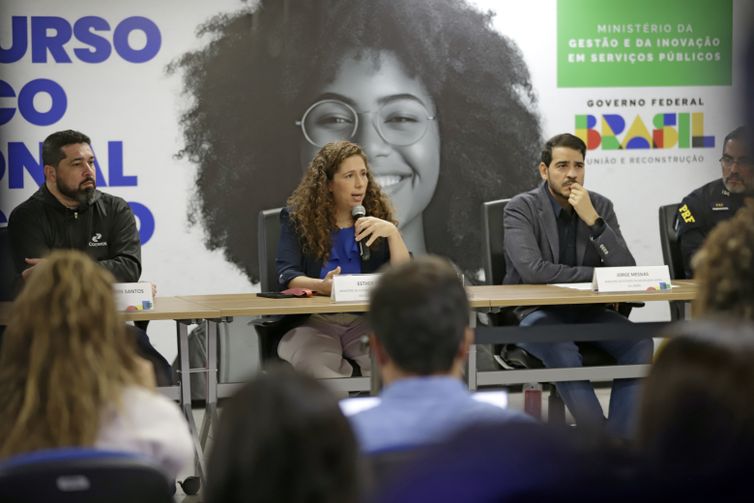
x,y
743,161
399,122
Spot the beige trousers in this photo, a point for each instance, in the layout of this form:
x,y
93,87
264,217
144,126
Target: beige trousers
x,y
318,346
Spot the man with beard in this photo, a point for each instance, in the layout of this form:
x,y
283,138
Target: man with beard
x,y
718,200
558,233
69,212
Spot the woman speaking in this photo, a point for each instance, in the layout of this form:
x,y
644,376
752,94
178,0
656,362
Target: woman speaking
x,y
320,239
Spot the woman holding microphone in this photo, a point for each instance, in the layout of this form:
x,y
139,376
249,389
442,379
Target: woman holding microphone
x,y
319,238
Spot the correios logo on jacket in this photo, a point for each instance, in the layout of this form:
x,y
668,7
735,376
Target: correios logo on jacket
x,y
95,241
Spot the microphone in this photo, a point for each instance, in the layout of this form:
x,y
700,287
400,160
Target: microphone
x,y
357,212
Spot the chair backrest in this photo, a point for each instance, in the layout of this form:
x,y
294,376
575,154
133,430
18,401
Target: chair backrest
x,y
493,241
82,476
7,268
671,248
267,241
385,465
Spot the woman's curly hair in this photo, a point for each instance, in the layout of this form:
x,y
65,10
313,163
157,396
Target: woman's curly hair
x,y
312,207
724,268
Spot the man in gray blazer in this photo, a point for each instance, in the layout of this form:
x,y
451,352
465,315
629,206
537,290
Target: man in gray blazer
x,y
558,233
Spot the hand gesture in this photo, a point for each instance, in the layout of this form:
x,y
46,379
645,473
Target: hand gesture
x,y
33,262
582,204
326,284
374,228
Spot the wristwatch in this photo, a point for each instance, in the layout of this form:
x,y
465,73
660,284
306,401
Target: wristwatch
x,y
597,227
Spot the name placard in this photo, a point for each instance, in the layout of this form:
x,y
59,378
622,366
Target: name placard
x,y
631,279
352,287
133,296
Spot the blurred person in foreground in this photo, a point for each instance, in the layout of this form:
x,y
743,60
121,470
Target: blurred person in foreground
x,y
70,376
724,269
419,316
696,426
283,439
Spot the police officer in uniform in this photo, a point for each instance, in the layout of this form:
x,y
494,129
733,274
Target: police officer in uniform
x,y
718,200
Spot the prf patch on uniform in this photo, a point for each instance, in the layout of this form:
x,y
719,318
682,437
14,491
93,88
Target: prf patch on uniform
x,y
686,214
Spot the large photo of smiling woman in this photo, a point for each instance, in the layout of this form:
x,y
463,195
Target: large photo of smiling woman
x,y
441,103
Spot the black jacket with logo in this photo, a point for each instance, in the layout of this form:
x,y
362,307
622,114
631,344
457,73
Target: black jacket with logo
x,y
105,229
700,212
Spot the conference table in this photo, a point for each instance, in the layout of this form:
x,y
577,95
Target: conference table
x,y
215,309
486,298
483,297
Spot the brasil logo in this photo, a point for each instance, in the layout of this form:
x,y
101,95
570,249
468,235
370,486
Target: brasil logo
x,y
670,130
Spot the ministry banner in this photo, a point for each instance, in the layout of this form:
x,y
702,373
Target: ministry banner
x,y
202,114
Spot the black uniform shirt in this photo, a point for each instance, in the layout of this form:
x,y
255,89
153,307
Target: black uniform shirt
x,y
699,213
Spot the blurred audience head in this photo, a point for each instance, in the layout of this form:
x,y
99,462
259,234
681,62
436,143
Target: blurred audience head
x,y
697,413
282,438
724,269
65,356
419,313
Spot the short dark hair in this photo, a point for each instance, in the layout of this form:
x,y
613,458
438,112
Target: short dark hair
x,y
52,148
738,134
562,140
283,438
419,311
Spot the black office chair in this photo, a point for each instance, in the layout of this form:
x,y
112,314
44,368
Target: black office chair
x,y
82,476
384,466
671,252
270,329
7,273
7,268
493,254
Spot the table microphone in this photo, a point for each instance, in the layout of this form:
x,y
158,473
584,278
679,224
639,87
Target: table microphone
x,y
357,212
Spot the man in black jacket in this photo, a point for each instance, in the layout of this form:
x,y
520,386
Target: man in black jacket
x,y
718,200
69,212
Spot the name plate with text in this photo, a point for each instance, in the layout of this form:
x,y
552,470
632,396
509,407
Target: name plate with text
x,y
133,296
631,279
352,287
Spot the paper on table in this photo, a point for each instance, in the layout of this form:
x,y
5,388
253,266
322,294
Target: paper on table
x,y
575,286
582,286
